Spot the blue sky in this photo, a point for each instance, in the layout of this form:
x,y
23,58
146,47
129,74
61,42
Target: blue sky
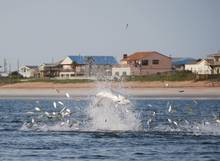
x,y
38,31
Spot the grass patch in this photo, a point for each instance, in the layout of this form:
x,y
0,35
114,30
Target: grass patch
x,y
173,76
60,81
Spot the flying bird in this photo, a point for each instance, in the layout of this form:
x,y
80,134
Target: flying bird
x,y
126,27
170,108
61,103
54,104
67,95
37,109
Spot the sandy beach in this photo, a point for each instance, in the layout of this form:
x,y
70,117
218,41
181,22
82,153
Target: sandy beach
x,y
140,89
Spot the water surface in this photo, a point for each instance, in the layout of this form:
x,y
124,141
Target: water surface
x,y
198,139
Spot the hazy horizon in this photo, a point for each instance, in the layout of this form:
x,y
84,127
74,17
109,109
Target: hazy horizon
x,y
36,32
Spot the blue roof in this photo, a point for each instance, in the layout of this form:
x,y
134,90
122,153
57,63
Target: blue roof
x,y
99,60
182,61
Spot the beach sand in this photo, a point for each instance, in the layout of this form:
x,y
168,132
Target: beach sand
x,y
139,89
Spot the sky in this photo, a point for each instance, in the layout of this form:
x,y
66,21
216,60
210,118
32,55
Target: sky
x,y
42,31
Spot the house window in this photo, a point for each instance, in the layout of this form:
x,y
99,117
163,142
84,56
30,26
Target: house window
x,y
155,62
72,75
144,62
117,73
124,73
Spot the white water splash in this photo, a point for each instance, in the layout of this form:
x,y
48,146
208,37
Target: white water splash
x,y
107,112
112,112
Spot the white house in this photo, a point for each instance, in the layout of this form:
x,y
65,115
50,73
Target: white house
x,y
121,71
201,67
28,71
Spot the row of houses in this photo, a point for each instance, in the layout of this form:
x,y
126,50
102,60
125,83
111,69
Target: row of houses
x,y
210,65
71,67
139,63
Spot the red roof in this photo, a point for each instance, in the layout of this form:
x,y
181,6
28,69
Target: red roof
x,y
143,54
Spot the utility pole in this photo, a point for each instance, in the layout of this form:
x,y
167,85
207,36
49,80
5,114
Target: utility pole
x,y
18,64
9,68
5,66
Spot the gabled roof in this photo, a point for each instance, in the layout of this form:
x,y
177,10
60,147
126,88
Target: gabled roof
x,y
98,60
143,54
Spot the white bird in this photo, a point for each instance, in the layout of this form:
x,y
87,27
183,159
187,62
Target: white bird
x,y
46,113
169,121
61,103
32,120
68,110
67,95
218,121
154,113
54,104
170,108
149,105
62,123
37,109
175,123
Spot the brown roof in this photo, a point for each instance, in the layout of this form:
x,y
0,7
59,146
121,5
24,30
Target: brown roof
x,y
140,55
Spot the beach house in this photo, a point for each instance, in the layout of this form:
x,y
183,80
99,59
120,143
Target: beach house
x,y
28,71
73,66
49,70
214,61
146,63
201,67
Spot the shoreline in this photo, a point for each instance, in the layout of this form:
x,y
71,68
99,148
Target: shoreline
x,y
152,93
153,90
125,84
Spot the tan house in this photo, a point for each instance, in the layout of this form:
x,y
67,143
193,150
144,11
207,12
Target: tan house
x,y
146,63
214,61
47,70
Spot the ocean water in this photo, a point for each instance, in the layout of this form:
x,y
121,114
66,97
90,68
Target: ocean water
x,y
148,129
